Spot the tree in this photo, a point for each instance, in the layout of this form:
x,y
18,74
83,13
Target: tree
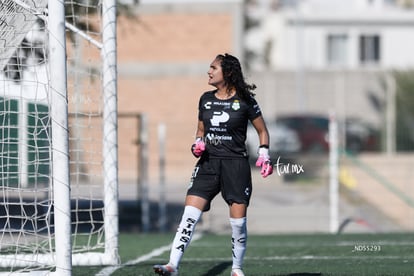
x,y
405,110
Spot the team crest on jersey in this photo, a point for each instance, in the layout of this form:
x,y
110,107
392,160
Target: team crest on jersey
x,y
236,105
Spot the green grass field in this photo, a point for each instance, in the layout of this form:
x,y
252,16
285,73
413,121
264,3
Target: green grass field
x,y
313,254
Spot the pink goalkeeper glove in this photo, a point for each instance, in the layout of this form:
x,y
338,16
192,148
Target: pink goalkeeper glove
x,y
264,162
198,147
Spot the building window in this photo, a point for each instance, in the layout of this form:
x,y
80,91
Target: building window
x,y
369,49
337,49
36,144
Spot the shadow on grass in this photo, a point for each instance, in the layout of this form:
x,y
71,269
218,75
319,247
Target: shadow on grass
x,y
304,274
218,269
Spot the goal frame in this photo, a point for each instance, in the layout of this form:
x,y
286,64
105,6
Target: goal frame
x,y
62,258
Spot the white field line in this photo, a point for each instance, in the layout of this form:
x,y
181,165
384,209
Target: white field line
x,y
154,253
311,257
308,257
323,244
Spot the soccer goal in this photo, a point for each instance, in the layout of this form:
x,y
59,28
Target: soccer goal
x,y
58,135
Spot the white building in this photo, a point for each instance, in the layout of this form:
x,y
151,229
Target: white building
x,y
323,34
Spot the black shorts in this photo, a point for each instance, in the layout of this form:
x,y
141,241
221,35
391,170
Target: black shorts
x,y
231,177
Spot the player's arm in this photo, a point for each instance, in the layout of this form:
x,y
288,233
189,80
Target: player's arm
x,y
200,129
198,147
263,160
260,126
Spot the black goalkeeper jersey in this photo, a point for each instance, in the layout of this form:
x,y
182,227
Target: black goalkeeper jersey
x,y
225,124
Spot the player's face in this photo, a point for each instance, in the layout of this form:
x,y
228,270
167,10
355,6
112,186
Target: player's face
x,y
215,74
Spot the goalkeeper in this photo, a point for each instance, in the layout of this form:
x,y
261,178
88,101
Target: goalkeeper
x,y
223,166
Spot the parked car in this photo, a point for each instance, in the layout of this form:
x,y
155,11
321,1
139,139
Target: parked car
x,y
312,130
313,133
309,133
360,136
283,140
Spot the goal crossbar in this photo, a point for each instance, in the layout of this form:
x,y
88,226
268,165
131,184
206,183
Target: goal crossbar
x,y
44,14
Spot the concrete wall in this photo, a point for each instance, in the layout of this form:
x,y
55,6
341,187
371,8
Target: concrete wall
x,y
347,93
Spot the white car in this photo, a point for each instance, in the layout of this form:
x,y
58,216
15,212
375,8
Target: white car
x,y
283,140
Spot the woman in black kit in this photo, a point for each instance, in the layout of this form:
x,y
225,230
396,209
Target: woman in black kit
x,y
223,166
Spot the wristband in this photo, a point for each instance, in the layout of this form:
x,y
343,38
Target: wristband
x,y
262,151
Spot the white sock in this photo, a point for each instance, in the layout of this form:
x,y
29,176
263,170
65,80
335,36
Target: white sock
x,y
238,240
184,234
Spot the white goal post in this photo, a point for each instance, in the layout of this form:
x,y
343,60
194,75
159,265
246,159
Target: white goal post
x,y
58,135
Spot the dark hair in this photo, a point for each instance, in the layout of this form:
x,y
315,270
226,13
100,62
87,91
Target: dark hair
x,y
233,76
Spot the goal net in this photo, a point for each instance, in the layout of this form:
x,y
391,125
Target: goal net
x,y
58,135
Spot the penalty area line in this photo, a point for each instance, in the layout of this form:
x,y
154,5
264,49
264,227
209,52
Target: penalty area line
x,y
306,257
154,253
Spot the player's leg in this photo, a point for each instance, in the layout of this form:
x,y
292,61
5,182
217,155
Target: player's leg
x,y
183,236
238,222
191,216
203,188
237,188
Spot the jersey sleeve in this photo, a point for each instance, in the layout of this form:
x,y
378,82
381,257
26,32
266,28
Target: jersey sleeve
x,y
199,110
253,110
200,115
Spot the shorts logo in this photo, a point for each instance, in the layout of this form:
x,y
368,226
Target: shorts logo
x,y
219,117
247,191
236,105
